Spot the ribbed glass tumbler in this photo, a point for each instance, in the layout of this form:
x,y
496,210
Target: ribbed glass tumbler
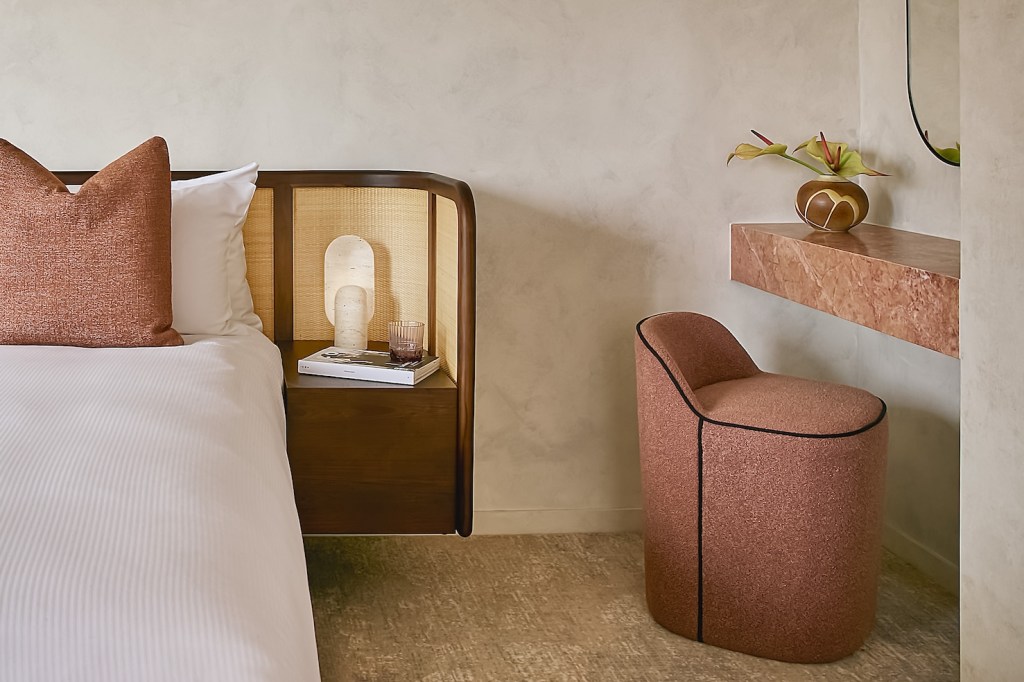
x,y
405,341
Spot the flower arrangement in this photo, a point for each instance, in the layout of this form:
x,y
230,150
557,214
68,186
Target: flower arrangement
x,y
838,159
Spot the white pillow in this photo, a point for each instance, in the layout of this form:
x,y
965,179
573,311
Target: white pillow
x,y
204,220
238,287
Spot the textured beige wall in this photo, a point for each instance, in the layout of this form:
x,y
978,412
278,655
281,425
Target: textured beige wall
x,y
922,387
594,133
992,318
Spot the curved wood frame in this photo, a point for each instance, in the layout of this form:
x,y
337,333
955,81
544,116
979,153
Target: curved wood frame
x,y
284,182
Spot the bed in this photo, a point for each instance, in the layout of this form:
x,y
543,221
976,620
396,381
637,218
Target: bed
x,y
149,527
148,519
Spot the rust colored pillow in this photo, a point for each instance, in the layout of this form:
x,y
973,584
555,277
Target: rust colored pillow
x,y
87,269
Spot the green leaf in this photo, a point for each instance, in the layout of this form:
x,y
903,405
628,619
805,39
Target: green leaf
x,y
949,153
748,151
851,165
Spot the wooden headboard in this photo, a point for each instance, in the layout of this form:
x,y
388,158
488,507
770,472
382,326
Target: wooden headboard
x,y
422,228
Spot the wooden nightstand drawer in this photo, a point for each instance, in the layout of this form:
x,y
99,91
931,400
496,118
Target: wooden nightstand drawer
x,y
368,457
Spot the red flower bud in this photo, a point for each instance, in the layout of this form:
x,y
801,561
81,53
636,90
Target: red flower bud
x,y
828,154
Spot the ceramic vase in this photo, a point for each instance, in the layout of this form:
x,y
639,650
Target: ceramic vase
x,y
831,203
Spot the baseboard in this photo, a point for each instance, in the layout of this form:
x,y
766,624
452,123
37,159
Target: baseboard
x,y
938,568
538,521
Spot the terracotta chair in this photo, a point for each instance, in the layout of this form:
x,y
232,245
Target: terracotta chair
x,y
762,497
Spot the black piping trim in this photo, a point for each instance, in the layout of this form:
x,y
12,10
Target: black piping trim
x,y
700,529
747,427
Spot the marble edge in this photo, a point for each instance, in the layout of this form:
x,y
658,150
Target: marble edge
x,y
760,278
754,227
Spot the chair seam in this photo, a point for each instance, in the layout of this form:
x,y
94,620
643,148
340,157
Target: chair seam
x,y
700,529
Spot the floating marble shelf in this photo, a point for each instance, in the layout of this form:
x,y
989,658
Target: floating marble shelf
x,y
903,284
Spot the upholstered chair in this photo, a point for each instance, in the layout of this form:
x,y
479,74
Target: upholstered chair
x,y
763,497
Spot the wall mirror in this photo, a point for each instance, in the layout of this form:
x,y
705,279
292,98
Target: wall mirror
x,y
933,74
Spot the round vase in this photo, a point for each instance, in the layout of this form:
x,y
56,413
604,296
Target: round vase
x,y
831,204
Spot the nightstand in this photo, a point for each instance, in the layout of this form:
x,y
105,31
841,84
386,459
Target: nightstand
x,y
369,457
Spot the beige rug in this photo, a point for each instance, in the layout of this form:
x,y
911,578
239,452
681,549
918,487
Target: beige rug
x,y
567,608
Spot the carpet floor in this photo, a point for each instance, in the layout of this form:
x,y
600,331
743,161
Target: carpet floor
x,y
568,608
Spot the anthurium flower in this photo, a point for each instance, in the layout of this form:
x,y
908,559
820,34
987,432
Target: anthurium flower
x,y
748,151
838,159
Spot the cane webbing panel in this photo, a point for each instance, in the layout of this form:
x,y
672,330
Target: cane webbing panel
x,y
258,236
393,221
447,286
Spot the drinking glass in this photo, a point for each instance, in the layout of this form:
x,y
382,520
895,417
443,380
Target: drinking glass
x,y
405,341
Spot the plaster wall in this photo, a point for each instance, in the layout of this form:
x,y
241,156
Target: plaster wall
x,y
992,317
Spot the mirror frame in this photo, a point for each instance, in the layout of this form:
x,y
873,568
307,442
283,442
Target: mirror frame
x,y
913,110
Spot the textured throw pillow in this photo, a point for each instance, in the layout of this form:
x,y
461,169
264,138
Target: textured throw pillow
x,y
92,268
236,189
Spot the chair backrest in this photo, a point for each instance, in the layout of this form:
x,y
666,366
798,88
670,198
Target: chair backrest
x,y
697,349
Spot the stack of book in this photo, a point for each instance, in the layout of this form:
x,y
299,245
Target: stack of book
x,y
368,365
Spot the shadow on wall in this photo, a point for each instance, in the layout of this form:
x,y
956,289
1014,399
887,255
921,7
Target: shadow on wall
x,y
923,485
786,338
881,210
558,298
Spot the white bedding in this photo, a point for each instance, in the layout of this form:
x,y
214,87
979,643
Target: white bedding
x,y
147,525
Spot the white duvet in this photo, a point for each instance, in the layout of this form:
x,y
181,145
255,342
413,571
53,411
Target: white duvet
x,y
147,525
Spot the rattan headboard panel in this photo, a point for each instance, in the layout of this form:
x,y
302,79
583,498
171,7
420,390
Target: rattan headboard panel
x,y
258,235
393,221
447,283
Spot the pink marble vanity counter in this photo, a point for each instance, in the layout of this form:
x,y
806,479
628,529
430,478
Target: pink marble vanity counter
x,y
900,283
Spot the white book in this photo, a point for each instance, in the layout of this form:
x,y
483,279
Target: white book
x,y
367,365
